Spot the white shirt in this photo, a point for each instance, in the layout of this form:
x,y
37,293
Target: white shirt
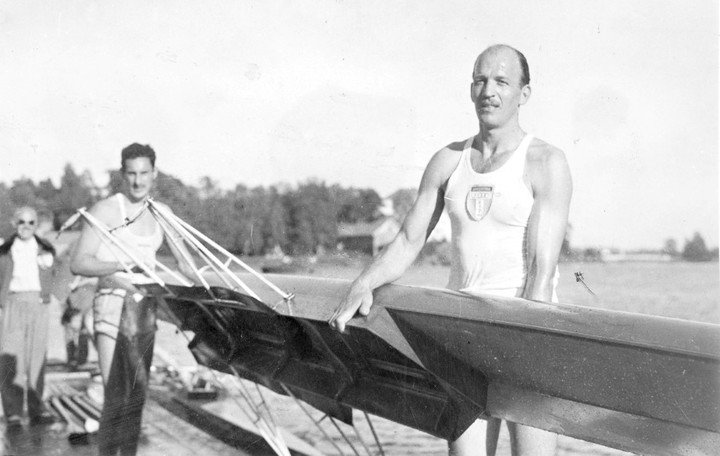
x,y
26,270
489,213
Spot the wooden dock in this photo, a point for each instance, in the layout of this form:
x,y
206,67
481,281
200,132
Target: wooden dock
x,y
172,425
163,432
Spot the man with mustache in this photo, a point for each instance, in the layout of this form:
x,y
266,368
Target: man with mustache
x,y
124,319
508,196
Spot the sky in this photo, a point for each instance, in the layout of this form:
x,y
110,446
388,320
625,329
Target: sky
x,y
363,94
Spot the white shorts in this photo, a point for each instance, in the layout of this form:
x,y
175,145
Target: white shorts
x,y
107,310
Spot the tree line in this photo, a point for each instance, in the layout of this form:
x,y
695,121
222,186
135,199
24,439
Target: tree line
x,y
694,249
300,219
297,219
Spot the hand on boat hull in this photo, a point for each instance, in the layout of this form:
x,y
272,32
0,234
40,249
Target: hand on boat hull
x,y
359,298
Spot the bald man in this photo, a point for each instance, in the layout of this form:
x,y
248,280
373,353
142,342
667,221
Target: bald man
x,y
508,195
25,282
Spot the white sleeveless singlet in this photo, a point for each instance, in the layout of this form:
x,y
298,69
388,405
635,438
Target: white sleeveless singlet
x,y
143,246
489,213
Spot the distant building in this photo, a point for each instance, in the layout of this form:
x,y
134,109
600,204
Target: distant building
x,y
614,255
367,237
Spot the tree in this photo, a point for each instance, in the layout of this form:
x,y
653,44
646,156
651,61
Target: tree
x,y
209,188
115,182
46,191
369,202
73,193
23,193
715,254
671,247
695,249
275,225
355,205
403,200
6,212
183,199
311,217
250,208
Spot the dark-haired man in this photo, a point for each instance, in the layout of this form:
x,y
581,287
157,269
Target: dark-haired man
x,y
508,196
25,282
124,321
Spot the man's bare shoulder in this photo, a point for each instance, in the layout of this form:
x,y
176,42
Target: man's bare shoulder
x,y
457,146
447,158
542,154
547,167
442,165
106,209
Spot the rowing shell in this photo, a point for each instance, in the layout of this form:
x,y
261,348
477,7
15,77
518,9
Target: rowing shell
x,y
436,360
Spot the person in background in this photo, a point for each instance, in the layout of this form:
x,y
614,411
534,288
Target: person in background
x,y
77,320
74,295
25,280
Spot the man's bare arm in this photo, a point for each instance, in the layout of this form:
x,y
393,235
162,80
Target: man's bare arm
x,y
552,189
402,251
83,261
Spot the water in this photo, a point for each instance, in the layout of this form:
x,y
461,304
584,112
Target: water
x,y
690,291
678,290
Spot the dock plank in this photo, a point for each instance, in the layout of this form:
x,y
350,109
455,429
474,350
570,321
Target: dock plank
x,y
163,433
168,434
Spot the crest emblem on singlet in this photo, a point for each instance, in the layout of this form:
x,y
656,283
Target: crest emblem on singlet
x,y
478,202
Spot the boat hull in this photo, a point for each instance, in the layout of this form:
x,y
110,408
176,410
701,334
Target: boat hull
x,y
437,360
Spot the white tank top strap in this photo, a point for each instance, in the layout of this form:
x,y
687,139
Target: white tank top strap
x,y
123,213
525,145
462,166
466,158
468,145
518,158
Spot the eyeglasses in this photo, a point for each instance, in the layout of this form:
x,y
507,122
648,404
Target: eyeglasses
x,y
26,222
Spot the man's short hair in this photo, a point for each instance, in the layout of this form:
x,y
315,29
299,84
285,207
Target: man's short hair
x,y
524,67
136,150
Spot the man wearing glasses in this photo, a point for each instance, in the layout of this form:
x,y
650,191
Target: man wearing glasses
x,y
25,281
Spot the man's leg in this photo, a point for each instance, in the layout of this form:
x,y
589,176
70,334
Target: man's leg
x,y
107,309
36,408
492,435
106,348
36,339
81,353
70,329
527,441
128,379
12,394
12,361
480,438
